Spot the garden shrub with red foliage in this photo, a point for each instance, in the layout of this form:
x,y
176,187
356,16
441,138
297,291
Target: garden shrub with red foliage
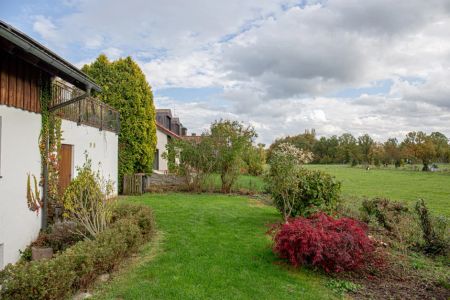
x,y
320,240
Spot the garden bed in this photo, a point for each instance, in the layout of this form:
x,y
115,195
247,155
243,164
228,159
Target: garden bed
x,y
78,266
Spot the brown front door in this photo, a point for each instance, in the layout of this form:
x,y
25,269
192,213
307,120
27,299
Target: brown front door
x,y
65,167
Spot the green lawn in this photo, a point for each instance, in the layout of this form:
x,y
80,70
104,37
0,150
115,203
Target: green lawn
x,y
247,182
212,247
395,184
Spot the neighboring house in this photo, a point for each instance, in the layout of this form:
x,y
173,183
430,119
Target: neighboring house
x,y
167,128
88,126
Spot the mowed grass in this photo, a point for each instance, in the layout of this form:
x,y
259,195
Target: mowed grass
x,y
246,182
408,186
212,247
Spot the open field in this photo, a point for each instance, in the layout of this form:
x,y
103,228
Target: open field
x,y
358,183
212,246
402,185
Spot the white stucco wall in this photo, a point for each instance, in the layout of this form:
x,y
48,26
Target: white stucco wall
x,y
19,155
161,143
101,146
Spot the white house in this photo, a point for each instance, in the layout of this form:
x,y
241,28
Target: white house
x,y
88,126
167,128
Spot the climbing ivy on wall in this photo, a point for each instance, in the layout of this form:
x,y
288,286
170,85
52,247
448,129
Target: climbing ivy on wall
x,y
126,89
50,133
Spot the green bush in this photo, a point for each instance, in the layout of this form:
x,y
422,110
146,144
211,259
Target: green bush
x,y
387,213
141,214
317,191
434,230
79,265
88,202
254,158
398,221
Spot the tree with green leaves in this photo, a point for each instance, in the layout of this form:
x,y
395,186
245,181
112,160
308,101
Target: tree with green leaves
x,y
196,160
365,145
418,145
326,149
347,149
392,152
255,158
442,147
230,141
125,88
305,141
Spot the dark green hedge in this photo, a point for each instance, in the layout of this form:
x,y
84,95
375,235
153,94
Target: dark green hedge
x,y
79,265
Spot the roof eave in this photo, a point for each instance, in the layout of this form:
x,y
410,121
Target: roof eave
x,y
36,49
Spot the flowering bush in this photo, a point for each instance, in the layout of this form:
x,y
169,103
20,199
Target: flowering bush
x,y
282,181
332,244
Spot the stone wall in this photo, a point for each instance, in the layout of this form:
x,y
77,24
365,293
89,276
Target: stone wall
x,y
163,182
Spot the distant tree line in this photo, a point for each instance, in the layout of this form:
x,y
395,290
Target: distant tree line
x,y
416,147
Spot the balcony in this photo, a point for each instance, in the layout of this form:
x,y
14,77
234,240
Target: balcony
x,y
71,104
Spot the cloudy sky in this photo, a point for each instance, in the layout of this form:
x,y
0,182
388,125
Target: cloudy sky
x,y
361,66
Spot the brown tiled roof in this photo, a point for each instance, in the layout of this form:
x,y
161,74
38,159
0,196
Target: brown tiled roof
x,y
167,131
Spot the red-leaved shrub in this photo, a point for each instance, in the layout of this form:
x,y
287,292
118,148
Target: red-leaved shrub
x,y
333,244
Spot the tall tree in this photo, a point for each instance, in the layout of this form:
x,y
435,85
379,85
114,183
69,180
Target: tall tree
x,y
304,141
326,150
440,142
418,145
126,89
365,145
347,149
392,152
230,141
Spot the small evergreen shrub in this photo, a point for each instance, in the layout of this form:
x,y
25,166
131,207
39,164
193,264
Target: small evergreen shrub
x,y
316,191
331,244
78,266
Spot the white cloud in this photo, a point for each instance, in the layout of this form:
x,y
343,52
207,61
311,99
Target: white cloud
x,y
112,52
45,28
195,70
278,63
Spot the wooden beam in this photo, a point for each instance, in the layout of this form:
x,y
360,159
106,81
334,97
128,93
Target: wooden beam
x,y
61,105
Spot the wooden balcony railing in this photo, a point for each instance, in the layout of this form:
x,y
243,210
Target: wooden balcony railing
x,y
87,110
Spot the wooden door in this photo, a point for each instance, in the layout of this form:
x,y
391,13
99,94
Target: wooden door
x,y
65,167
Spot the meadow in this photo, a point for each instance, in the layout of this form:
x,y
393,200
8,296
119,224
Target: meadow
x,y
407,184
401,185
